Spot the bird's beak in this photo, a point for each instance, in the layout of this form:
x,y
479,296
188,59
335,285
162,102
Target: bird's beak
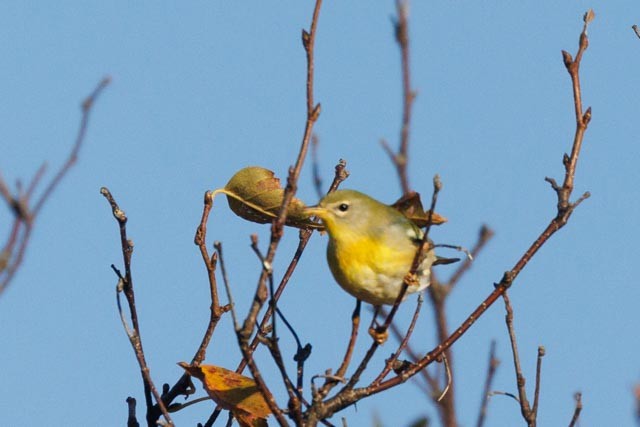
x,y
318,211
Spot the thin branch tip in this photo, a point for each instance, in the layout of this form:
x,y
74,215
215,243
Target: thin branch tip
x,y
589,16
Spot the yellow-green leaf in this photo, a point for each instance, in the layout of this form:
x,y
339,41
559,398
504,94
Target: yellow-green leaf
x,y
255,194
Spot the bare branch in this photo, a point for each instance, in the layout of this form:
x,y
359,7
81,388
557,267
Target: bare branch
x,y
528,415
131,419
577,410
491,371
348,398
315,168
485,234
15,248
391,362
341,174
87,105
277,229
332,380
536,394
125,284
215,311
400,159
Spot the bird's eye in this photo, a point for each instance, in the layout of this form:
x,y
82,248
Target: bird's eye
x,y
343,207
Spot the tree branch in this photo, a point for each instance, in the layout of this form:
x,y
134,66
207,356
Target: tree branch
x,y
565,209
125,285
400,159
15,248
491,371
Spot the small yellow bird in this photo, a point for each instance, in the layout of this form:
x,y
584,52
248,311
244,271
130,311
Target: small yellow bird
x,y
371,246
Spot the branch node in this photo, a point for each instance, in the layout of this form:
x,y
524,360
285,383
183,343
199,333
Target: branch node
x,y
118,213
306,37
507,280
586,118
568,59
315,113
541,351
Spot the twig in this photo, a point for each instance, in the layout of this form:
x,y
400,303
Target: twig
x,y
35,181
403,343
277,227
294,398
536,394
504,393
576,412
432,384
528,415
332,380
400,159
247,352
438,293
184,386
319,411
411,278
215,311
313,112
341,174
180,406
355,323
119,289
447,370
315,166
295,392
15,248
126,283
132,421
636,391
87,105
491,371
484,235
225,280
565,208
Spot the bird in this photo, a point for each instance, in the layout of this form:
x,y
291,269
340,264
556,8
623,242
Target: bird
x,y
371,246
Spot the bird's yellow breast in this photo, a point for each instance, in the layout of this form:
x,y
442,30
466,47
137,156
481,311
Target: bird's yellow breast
x,y
368,268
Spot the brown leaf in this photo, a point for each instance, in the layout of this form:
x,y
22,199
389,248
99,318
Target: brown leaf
x,y
254,193
233,392
410,206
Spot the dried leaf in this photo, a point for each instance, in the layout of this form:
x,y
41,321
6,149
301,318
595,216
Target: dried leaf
x,y
255,194
233,392
410,206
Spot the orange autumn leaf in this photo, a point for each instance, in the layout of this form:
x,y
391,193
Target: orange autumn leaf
x,y
233,392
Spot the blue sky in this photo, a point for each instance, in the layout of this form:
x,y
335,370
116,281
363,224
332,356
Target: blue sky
x,y
202,89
